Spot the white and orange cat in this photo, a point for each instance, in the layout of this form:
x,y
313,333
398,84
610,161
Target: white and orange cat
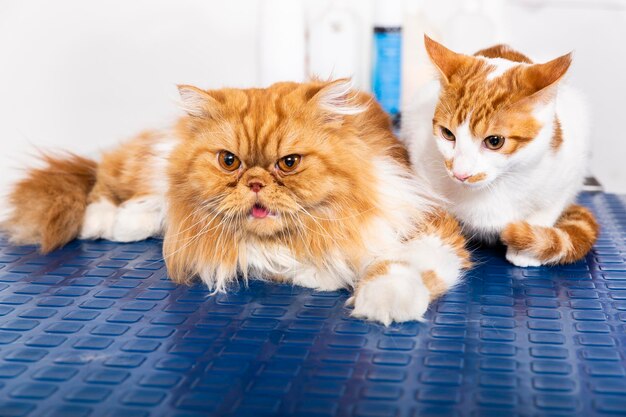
x,y
296,183
504,140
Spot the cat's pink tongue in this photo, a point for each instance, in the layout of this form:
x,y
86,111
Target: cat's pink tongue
x,y
259,212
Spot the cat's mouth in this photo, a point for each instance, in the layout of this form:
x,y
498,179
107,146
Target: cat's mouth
x,y
259,211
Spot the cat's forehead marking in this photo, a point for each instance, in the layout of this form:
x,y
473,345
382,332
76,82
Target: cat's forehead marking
x,y
472,97
260,124
498,67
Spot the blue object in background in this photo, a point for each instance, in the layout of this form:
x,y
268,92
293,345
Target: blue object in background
x,y
97,329
387,68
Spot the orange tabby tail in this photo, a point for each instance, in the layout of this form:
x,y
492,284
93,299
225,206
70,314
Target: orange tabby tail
x,y
49,204
568,241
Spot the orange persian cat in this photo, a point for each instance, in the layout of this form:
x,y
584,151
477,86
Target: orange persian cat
x,y
296,183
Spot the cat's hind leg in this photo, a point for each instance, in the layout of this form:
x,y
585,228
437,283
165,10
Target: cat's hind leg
x,y
138,218
400,288
135,219
98,220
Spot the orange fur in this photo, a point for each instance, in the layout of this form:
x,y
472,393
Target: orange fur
x,y
504,51
557,139
376,270
568,241
434,283
443,224
48,205
476,177
126,171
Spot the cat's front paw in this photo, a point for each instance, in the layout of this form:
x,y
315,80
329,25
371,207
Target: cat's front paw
x,y
397,296
521,259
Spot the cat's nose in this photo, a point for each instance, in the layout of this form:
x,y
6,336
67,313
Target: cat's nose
x,y
461,176
255,186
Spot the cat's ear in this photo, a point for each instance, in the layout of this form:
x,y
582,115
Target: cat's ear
x,y
337,99
539,77
539,84
447,62
197,102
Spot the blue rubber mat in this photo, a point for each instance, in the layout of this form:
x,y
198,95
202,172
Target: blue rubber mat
x,y
97,329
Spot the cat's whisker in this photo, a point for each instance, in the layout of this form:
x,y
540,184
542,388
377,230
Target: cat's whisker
x,y
228,216
335,219
300,229
194,213
188,243
320,226
205,229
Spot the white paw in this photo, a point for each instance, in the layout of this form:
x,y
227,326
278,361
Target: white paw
x,y
310,277
138,219
521,259
397,296
98,220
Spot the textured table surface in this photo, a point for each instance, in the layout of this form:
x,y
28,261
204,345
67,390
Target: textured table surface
x,y
97,329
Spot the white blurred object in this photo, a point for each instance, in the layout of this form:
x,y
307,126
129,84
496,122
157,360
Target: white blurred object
x,y
596,4
281,42
388,13
416,67
470,28
334,45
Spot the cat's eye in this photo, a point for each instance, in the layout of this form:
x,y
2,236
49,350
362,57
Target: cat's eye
x,y
289,163
494,142
447,133
228,161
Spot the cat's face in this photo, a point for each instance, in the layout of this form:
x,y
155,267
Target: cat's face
x,y
258,161
495,110
289,170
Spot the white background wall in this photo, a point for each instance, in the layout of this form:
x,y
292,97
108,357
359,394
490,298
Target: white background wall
x,y
83,75
596,31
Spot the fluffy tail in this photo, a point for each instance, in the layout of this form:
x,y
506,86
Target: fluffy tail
x,y
48,206
568,241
